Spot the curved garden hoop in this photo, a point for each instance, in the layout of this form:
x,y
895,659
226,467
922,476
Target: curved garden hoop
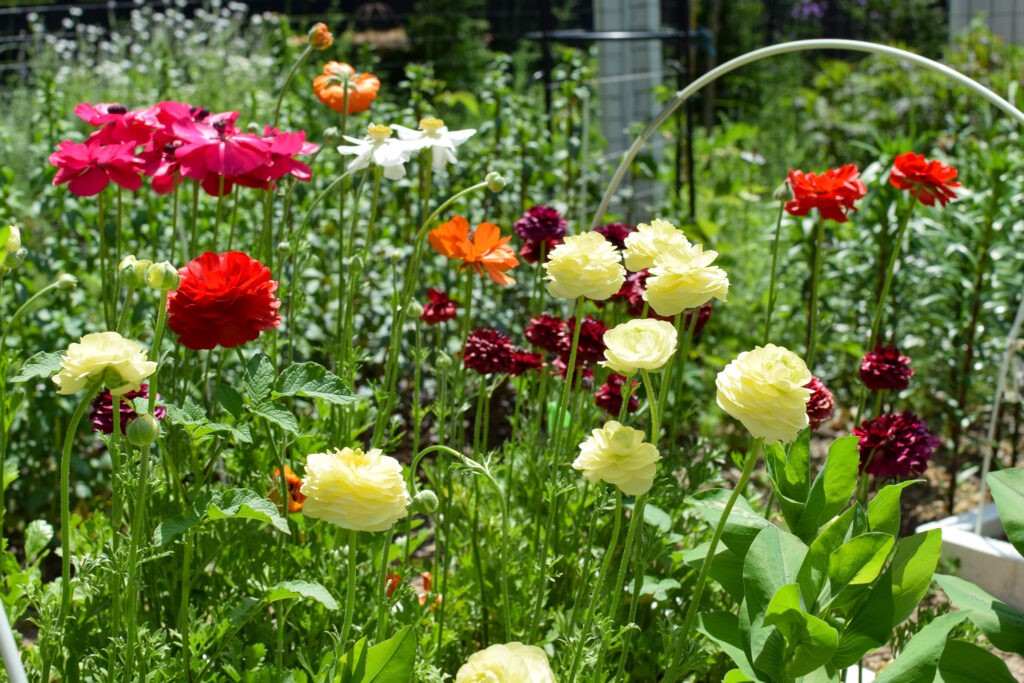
x,y
780,49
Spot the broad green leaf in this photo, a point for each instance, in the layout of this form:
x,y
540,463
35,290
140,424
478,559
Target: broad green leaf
x,y
810,642
1008,492
5,232
884,508
169,529
726,568
229,399
278,416
301,589
743,523
190,414
919,660
259,378
37,537
723,628
869,626
241,503
814,570
1002,624
656,587
657,518
353,663
241,433
857,562
790,489
393,660
798,468
42,364
312,381
832,488
967,663
913,565
736,676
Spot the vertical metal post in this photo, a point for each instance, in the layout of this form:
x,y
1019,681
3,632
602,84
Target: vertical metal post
x,y
547,24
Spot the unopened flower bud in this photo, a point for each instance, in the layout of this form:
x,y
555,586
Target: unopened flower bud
x,y
66,282
13,241
143,430
332,135
495,181
415,309
284,246
163,276
320,36
425,501
14,259
132,271
783,193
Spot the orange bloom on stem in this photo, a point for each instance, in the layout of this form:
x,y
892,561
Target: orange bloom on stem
x,y
337,77
483,250
295,495
320,36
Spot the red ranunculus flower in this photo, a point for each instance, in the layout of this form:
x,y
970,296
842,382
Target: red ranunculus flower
x,y
541,223
224,300
440,309
488,351
102,414
545,332
832,193
531,251
525,360
895,445
926,180
820,404
885,368
616,233
590,348
609,396
584,373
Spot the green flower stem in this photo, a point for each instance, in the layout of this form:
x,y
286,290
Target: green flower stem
x,y
702,577
65,512
234,216
350,592
598,586
287,82
582,586
175,226
183,608
104,277
115,529
812,311
124,310
216,215
120,217
770,308
861,495
627,392
194,227
382,599
563,402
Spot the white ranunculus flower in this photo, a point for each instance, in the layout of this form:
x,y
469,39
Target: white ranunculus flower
x,y
642,344
509,663
120,363
620,456
685,278
355,490
648,240
584,265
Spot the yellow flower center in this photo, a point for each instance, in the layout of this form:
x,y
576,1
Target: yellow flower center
x,y
431,125
378,132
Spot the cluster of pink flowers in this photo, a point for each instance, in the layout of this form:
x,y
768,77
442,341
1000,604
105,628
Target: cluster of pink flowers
x,y
170,141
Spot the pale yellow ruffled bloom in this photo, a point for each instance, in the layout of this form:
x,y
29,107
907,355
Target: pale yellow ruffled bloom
x,y
120,363
685,278
584,265
355,490
509,663
764,389
618,455
642,344
648,240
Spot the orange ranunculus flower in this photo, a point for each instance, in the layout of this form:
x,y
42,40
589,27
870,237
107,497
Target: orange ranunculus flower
x,y
484,250
295,496
330,88
320,36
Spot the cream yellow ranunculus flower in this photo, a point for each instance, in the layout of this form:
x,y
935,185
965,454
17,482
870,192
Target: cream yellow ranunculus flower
x,y
685,278
120,363
642,344
355,490
764,389
620,456
648,240
509,663
584,265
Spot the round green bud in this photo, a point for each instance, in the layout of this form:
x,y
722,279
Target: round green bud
x,y
163,276
783,193
66,282
143,430
425,501
13,242
14,259
132,271
495,181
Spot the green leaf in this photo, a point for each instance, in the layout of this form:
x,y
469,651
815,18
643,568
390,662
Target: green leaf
x,y
243,504
259,378
743,524
919,660
657,518
169,529
723,628
392,660
37,537
1002,624
790,475
240,432
857,562
190,414
353,663
884,508
229,399
312,381
869,626
814,570
301,589
832,488
810,641
726,567
1008,492
967,663
912,568
736,676
278,416
42,364
656,587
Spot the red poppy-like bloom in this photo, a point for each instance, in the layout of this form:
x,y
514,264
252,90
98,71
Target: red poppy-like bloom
x,y
488,351
820,404
541,223
546,331
616,233
525,360
440,309
590,348
885,368
895,445
295,495
832,192
102,414
609,396
224,300
88,168
926,180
